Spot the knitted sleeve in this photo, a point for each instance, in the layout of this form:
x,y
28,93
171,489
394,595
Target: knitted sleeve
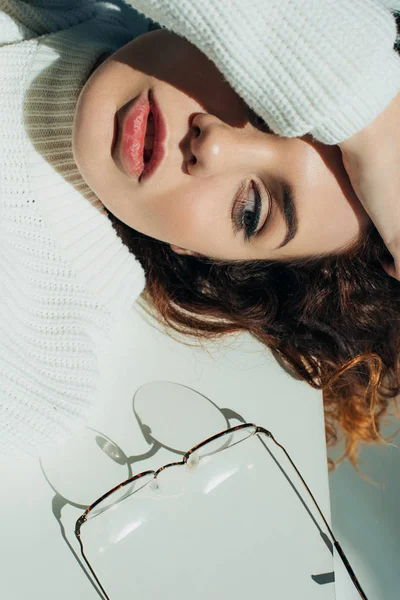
x,y
27,19
393,5
325,67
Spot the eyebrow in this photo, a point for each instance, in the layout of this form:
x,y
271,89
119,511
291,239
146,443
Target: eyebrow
x,y
289,214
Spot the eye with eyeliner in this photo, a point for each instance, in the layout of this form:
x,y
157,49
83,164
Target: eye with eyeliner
x,y
247,211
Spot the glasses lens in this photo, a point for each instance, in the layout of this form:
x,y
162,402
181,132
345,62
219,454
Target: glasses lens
x,y
229,510
119,495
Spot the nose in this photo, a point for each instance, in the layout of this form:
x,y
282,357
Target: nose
x,y
215,146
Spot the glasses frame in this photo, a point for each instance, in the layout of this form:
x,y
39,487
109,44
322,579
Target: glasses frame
x,y
258,429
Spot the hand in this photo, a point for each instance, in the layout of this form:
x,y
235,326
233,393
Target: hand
x,y
372,161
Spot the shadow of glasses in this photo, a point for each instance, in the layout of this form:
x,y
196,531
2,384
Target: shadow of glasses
x,y
147,398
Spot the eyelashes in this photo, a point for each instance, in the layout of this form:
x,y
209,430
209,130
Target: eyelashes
x,y
248,208
251,212
247,211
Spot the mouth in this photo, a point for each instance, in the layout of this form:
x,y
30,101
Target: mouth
x,y
143,132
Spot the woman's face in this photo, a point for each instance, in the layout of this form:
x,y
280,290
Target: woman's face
x,y
222,187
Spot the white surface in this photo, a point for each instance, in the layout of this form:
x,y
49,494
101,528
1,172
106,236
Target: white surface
x,y
216,530
236,376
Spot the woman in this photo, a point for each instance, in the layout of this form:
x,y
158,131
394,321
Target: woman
x,y
240,237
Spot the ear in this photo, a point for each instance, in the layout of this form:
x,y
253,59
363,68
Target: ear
x,y
179,250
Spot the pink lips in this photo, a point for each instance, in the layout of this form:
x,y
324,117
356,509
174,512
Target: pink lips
x,y
134,133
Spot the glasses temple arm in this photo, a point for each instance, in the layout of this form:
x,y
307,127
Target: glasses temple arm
x,y
78,536
335,542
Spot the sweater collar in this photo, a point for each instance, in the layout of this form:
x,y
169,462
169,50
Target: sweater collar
x,y
58,71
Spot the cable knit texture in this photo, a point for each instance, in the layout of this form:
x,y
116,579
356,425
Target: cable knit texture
x,y
325,67
66,279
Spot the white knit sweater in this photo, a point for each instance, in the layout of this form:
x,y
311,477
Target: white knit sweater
x,y
65,277
325,67
320,66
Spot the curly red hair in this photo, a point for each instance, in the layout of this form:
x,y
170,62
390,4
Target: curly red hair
x,y
332,321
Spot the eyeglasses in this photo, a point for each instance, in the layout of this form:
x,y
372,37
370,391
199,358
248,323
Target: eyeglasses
x,y
214,444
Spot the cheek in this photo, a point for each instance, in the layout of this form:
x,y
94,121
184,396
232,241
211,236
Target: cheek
x,y
172,217
197,221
